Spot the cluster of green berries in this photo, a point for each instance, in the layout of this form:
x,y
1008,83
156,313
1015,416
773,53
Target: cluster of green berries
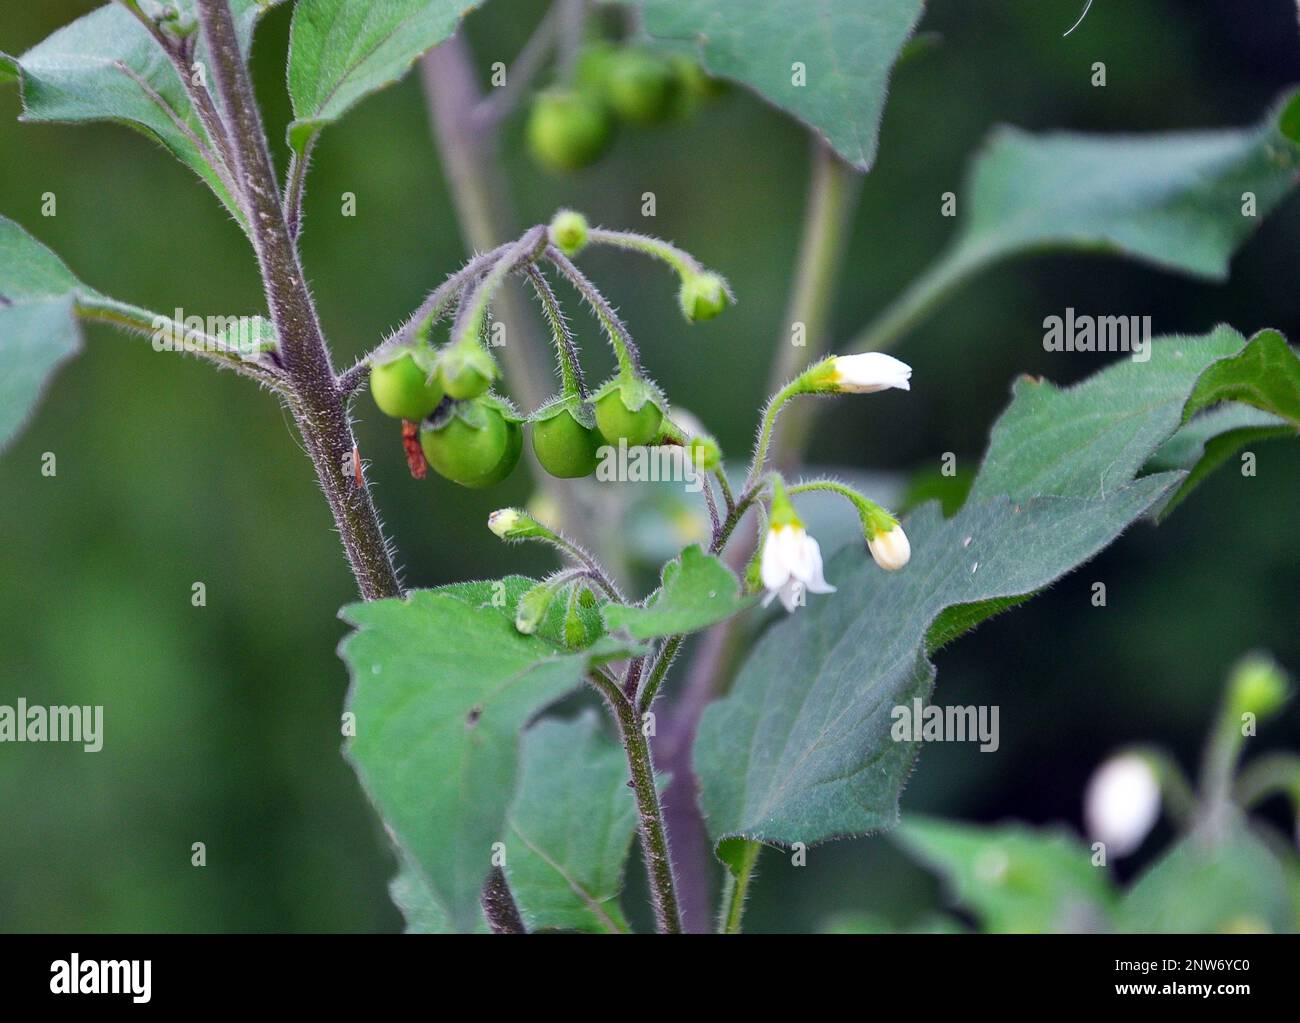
x,y
572,125
474,437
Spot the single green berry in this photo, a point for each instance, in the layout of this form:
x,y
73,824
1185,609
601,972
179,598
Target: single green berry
x,y
1257,687
567,129
466,371
565,447
641,88
592,69
569,231
401,389
617,422
475,448
703,296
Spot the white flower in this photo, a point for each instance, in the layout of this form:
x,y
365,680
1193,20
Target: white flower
x,y
792,565
890,549
870,371
1122,803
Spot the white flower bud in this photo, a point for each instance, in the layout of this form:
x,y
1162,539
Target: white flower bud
x,y
891,549
1122,803
503,521
870,371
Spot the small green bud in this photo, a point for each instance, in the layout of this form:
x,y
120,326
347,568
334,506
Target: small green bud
x,y
1257,686
705,452
513,524
703,296
532,606
569,231
567,129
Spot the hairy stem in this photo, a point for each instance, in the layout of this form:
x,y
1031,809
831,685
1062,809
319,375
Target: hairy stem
x,y
318,405
499,905
654,836
736,889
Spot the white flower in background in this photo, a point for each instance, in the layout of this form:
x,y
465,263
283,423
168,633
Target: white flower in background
x,y
890,548
869,371
1122,803
792,560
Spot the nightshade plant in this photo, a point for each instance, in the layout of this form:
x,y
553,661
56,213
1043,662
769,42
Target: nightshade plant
x,y
501,816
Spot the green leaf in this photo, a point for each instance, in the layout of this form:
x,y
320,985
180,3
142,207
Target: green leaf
x,y
442,683
698,590
340,51
801,750
1173,199
106,67
1239,885
38,323
847,51
570,828
1015,879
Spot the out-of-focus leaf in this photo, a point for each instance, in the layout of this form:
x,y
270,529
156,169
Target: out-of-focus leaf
x,y
1013,878
846,51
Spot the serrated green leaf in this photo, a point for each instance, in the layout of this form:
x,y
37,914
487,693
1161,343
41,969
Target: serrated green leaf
x,y
1173,199
442,684
570,828
698,590
1014,878
340,51
38,323
801,750
847,51
1239,885
93,70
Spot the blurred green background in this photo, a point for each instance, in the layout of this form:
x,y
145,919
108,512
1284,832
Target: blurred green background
x,y
222,722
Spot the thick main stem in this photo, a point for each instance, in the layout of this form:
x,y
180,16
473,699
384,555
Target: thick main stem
x,y
302,352
319,407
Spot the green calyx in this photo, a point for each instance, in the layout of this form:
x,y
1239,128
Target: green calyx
x,y
406,386
568,230
630,410
565,439
466,370
532,607
703,296
567,129
474,443
781,510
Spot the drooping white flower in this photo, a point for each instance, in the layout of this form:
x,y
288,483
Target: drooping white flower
x,y
869,371
1122,803
890,548
792,565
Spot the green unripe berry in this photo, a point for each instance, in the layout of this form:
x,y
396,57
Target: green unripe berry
x,y
618,422
466,371
569,231
401,390
640,87
703,296
567,129
564,447
475,446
